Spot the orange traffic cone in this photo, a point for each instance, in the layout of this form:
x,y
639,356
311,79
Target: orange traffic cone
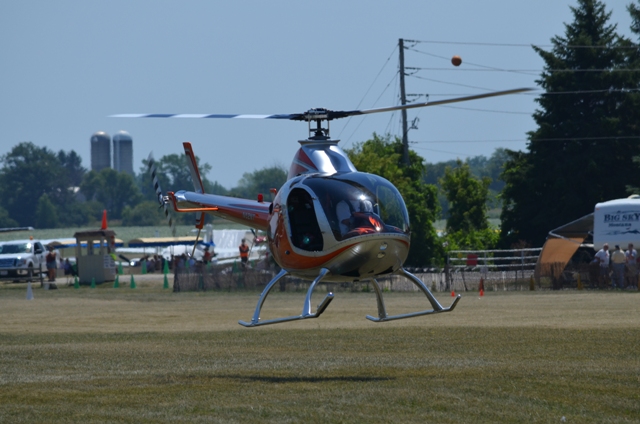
x,y
453,293
104,220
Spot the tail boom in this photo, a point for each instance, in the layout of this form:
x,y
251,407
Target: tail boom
x,y
251,213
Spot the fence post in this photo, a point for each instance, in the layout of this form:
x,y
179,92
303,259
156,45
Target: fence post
x,y
532,284
447,277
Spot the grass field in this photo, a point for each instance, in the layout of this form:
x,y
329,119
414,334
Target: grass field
x,y
149,355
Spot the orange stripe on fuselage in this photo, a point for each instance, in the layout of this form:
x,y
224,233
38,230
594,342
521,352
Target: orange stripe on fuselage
x,y
249,217
296,261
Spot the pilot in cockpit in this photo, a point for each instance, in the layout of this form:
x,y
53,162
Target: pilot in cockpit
x,y
346,212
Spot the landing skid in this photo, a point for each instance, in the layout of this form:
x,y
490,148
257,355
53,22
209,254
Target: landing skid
x,y
382,311
306,309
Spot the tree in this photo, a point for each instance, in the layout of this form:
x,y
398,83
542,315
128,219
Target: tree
x,y
27,173
480,166
581,153
383,157
143,214
46,215
633,98
5,220
173,174
467,198
72,163
75,214
474,240
634,11
260,181
113,189
467,222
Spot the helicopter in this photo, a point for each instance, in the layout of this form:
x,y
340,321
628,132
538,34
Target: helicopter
x,y
328,223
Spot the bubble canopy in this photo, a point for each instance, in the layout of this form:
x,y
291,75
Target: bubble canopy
x,y
357,203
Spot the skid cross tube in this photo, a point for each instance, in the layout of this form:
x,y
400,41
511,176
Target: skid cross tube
x,y
306,308
437,307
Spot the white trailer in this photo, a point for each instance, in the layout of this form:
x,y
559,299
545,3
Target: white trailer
x,y
617,222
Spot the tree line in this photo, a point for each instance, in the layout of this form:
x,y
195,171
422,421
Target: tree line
x,y
588,128
66,194
586,149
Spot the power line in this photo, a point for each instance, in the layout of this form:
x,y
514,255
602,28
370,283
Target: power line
x,y
488,110
613,137
611,90
451,83
572,46
467,63
538,92
365,95
444,151
377,76
502,141
395,76
522,70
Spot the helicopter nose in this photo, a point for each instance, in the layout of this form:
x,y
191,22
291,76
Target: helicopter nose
x,y
369,258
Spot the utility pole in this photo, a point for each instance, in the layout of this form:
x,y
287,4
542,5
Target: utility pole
x,y
403,101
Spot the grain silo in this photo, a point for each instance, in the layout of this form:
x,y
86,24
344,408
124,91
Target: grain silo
x,y
100,151
123,152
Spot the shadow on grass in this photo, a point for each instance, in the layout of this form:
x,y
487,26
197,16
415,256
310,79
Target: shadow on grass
x,y
274,379
298,379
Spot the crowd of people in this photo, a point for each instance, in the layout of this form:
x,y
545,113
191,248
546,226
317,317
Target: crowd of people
x,y
154,263
618,269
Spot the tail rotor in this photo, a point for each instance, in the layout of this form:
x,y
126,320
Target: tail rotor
x,y
161,198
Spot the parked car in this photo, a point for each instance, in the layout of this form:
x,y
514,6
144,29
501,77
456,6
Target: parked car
x,y
21,258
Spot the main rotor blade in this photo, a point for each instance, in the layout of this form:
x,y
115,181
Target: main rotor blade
x,y
320,113
344,114
202,115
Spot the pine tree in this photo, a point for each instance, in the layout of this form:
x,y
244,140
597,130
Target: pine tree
x,y
633,99
581,153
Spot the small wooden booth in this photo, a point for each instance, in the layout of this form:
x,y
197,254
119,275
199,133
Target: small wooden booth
x,y
95,262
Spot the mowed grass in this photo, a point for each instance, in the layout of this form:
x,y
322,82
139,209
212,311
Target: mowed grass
x,y
149,355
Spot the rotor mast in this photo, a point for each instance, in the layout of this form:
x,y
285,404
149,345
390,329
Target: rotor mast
x,y
318,115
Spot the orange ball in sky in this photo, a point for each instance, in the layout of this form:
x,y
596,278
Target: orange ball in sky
x,y
456,60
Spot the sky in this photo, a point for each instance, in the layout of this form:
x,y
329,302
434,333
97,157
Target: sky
x,y
68,65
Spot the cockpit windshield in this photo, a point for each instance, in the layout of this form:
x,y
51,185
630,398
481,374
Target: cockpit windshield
x,y
357,203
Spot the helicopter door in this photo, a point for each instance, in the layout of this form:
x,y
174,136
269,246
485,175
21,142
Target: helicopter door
x,y
305,231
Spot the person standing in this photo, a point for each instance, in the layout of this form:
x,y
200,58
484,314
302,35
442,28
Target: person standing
x,y
632,266
603,259
51,264
206,256
619,260
244,253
